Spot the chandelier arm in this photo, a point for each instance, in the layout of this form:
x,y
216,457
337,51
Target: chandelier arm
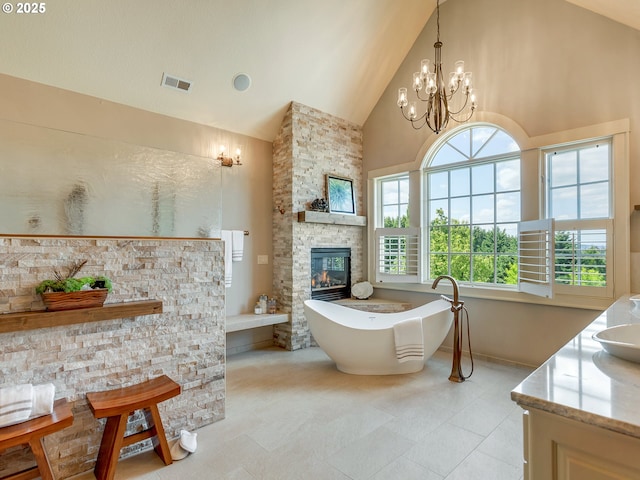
x,y
405,115
466,102
463,120
413,124
455,90
413,120
427,99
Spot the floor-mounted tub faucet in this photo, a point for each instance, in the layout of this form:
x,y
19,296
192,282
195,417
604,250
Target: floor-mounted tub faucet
x,y
456,307
455,303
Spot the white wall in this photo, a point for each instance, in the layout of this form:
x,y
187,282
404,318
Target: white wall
x,y
550,66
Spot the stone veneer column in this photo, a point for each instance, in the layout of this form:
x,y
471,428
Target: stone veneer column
x,y
186,341
310,145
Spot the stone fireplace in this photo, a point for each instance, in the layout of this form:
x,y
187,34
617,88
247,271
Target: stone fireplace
x,y
330,273
310,145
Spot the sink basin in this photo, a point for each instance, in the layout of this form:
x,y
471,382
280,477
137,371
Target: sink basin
x,y
622,341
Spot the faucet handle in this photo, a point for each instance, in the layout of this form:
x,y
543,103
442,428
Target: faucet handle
x,y
454,305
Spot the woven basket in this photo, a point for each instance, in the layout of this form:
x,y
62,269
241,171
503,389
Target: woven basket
x,y
72,300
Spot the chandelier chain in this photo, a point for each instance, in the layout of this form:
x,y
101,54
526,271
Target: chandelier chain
x,y
438,20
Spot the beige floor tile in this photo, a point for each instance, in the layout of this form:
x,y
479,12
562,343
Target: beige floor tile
x,y
365,457
480,466
444,448
406,470
505,442
293,415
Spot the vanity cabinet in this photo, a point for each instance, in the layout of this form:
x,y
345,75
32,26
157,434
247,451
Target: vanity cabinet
x,y
560,448
581,408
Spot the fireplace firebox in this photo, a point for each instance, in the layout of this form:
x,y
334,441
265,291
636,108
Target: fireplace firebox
x,y
330,273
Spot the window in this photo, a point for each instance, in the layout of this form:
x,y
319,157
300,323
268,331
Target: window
x,y
395,202
459,208
397,244
579,199
578,182
472,185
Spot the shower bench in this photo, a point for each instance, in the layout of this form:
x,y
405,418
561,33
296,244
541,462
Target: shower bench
x,y
250,332
247,321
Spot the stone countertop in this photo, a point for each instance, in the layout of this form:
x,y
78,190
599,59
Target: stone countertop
x,y
584,383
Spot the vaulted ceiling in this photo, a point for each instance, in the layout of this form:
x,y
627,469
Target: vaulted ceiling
x,y
334,55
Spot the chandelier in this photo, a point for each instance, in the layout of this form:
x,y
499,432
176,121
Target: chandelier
x,y
437,95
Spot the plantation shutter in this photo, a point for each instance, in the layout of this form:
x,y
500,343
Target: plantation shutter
x,y
397,254
535,257
583,256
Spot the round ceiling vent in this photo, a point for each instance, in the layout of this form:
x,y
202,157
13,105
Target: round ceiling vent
x,y
241,82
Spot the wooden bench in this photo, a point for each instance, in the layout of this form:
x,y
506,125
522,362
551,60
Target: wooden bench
x,y
32,433
116,405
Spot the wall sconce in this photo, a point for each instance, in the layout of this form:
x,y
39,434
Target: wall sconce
x,y
230,161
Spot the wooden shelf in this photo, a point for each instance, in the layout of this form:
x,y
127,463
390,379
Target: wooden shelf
x,y
309,216
15,322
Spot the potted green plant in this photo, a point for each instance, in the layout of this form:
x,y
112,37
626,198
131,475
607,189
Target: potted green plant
x,y
66,292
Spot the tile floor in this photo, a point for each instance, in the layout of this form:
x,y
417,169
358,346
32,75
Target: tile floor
x,y
292,415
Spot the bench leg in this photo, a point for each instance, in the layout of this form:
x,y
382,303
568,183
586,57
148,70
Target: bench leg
x,y
37,447
110,447
160,444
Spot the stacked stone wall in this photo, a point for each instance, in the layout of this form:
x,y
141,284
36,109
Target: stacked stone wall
x,y
310,145
185,342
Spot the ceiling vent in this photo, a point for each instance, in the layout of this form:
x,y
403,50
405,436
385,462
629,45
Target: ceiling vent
x,y
171,81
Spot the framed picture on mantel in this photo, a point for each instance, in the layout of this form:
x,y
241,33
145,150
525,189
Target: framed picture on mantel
x,y
340,195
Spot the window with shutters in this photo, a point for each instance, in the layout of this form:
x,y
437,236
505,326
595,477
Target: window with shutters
x,y
578,193
461,211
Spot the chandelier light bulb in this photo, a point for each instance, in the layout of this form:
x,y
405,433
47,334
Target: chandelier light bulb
x,y
467,80
424,67
453,81
412,110
417,81
402,97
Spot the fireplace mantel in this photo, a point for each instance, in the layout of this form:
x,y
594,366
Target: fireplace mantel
x,y
310,216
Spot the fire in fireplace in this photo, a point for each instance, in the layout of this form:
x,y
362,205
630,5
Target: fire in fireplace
x,y
330,273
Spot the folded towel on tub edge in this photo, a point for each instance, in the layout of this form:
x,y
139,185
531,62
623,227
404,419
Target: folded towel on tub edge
x,y
409,340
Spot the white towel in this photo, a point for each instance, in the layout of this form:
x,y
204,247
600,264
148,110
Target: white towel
x,y
15,404
43,396
409,340
238,245
227,238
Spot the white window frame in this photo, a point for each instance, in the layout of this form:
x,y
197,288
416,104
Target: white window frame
x,y
407,235
533,206
507,157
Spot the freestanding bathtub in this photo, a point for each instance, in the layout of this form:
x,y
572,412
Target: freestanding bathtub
x,y
362,343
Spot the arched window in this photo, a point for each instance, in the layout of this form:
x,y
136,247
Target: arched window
x,y
471,191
